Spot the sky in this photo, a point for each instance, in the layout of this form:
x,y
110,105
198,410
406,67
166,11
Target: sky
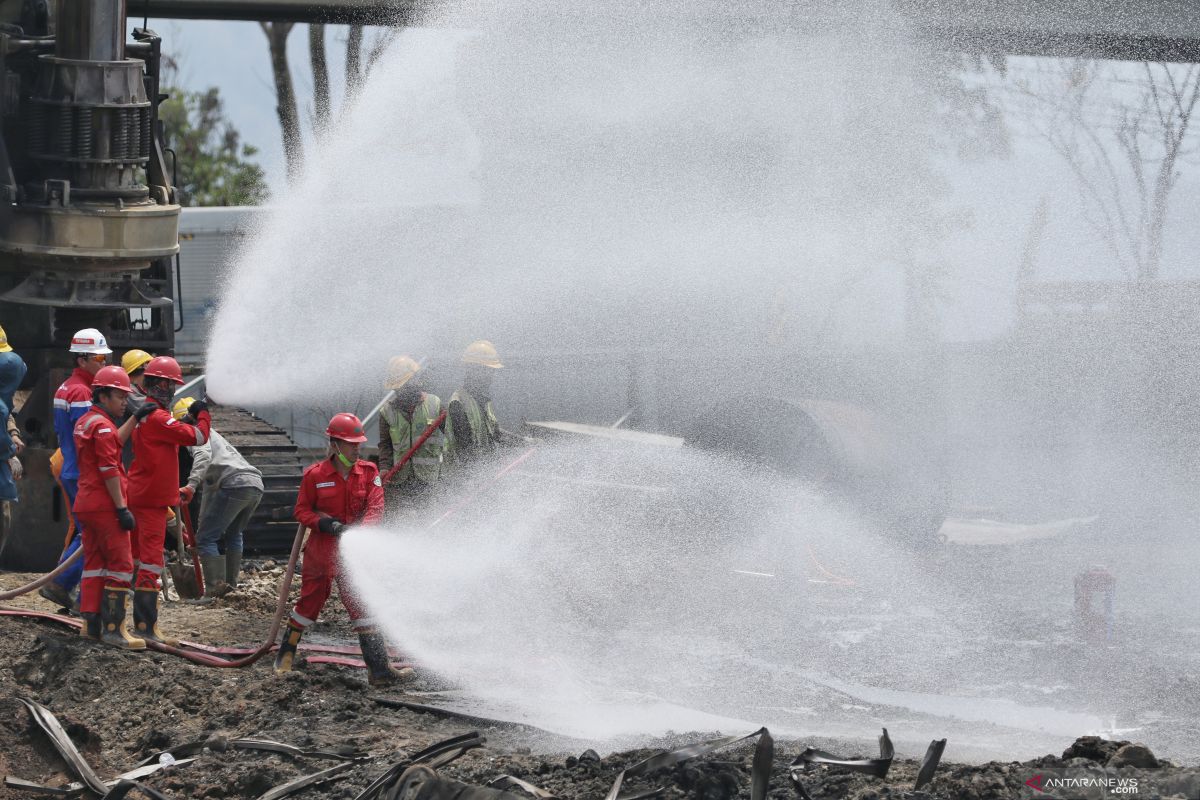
x,y
998,195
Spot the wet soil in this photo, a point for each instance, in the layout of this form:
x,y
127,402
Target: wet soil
x,y
120,707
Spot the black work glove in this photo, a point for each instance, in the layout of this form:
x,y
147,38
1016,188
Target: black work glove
x,y
330,525
197,407
125,519
145,410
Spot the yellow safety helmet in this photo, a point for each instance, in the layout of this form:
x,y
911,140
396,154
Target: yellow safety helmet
x,y
483,353
5,347
179,411
133,360
401,370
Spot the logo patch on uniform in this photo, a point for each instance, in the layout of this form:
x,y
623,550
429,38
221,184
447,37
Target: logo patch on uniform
x,y
326,484
378,482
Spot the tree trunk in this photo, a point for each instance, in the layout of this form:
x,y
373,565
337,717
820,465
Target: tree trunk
x,y
285,95
354,61
320,71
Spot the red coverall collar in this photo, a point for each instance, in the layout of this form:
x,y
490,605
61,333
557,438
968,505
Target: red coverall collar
x,y
83,375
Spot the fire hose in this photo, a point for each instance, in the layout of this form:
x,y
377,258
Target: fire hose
x,y
425,434
42,581
285,587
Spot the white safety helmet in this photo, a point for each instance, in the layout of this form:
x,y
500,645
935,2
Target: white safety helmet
x,y
89,341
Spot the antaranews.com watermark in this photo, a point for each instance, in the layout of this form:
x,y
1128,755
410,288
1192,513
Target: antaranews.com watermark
x,y
1102,783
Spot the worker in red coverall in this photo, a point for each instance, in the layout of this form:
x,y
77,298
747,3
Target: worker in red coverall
x,y
154,483
335,493
101,507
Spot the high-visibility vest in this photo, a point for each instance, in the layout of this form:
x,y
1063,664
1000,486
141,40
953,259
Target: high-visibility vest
x,y
426,463
485,428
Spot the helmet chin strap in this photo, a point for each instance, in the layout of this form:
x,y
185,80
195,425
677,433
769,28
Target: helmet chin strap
x,y
345,462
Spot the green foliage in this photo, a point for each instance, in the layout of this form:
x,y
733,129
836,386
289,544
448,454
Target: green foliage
x,y
213,163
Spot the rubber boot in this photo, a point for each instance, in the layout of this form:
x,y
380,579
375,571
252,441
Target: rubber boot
x,y
90,629
112,622
214,576
287,648
233,568
379,668
145,616
56,594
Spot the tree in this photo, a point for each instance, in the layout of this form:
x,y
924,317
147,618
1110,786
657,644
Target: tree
x,y
285,95
320,70
212,161
1123,138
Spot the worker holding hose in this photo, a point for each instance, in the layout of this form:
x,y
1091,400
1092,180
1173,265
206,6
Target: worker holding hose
x,y
402,419
340,491
154,483
100,504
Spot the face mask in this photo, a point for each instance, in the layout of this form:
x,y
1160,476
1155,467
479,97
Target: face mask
x,y
162,394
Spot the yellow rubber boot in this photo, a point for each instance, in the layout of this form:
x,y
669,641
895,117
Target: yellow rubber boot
x,y
287,648
112,622
145,616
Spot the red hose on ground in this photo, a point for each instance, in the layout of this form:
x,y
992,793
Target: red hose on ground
x,y
42,581
206,660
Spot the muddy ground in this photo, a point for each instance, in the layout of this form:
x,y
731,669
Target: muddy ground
x,y
121,707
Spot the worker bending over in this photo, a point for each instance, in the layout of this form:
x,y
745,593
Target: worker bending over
x,y
231,488
100,504
336,493
404,417
154,483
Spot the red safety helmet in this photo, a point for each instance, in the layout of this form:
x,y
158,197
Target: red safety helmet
x,y
112,378
164,367
346,427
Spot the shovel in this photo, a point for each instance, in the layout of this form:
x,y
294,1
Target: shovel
x,y
185,569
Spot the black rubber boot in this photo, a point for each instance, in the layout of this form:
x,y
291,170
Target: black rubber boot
x,y
214,576
145,617
56,594
233,568
287,648
90,629
112,622
379,667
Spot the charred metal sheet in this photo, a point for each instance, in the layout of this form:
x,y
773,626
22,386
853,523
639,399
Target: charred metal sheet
x,y
219,744
77,789
420,782
878,767
929,764
308,780
422,708
37,788
678,756
437,754
65,747
123,788
507,781
341,754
